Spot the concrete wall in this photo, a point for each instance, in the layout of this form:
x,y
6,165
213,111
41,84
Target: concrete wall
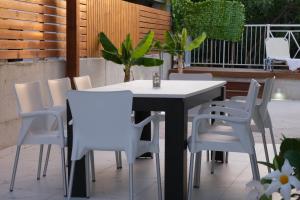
x,y
11,73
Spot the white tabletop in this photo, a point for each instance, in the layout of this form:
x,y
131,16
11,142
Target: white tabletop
x,y
168,89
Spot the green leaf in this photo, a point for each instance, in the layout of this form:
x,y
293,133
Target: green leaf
x,y
143,47
196,42
111,57
267,164
265,197
170,43
289,144
148,62
106,43
184,37
278,162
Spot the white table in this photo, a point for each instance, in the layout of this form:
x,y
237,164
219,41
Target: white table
x,y
175,98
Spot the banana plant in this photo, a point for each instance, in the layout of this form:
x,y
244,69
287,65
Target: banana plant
x,y
177,43
128,56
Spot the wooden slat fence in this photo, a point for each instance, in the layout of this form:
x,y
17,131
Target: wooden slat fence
x,y
37,28
32,29
117,18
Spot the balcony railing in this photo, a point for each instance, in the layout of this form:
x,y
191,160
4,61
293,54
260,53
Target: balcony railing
x,y
250,52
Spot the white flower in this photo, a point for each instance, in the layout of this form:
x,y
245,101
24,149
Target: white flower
x,y
255,190
283,180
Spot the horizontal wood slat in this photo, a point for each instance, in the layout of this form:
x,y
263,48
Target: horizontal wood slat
x,y
117,18
15,44
37,28
20,54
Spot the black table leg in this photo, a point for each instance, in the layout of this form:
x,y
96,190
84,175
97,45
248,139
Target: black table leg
x,y
79,181
146,135
176,151
220,154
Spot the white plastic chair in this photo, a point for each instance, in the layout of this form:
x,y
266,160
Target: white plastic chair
x,y
109,112
58,89
37,126
84,83
261,116
236,136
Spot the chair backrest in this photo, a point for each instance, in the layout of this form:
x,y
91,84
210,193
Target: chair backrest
x,y
251,98
58,91
82,83
29,97
182,76
277,48
143,73
266,97
101,120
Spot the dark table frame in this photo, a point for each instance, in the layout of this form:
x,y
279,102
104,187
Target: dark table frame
x,y
176,110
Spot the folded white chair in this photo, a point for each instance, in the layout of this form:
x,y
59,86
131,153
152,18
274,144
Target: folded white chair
x,y
278,51
37,126
235,136
102,121
84,83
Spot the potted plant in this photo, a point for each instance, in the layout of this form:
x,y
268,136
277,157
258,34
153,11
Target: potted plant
x,y
285,177
177,44
128,56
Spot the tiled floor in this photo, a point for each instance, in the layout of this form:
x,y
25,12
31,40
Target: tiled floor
x,y
227,183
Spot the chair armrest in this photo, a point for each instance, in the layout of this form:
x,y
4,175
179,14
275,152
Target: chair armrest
x,y
232,119
146,121
227,103
39,113
234,112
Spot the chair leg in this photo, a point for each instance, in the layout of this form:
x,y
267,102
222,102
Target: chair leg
x,y
190,187
47,160
266,150
158,177
226,156
87,174
63,166
273,140
131,181
71,179
207,156
213,161
118,159
15,168
254,167
93,166
197,170
40,162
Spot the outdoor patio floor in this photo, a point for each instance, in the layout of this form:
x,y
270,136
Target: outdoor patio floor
x,y
227,183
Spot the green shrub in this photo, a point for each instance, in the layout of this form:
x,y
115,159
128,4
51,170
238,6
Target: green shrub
x,y
219,19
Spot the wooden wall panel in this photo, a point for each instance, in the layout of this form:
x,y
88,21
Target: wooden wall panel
x,y
37,28
117,18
